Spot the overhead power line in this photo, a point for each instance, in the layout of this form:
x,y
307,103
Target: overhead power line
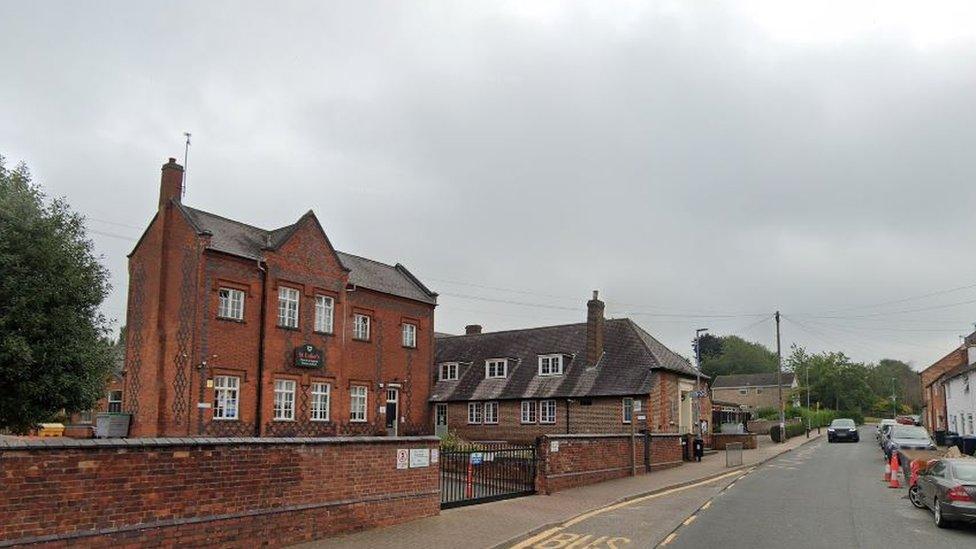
x,y
904,300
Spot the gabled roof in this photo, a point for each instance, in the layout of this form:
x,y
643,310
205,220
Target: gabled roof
x,y
243,240
751,380
630,355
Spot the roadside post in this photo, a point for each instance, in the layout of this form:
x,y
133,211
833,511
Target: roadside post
x,y
633,436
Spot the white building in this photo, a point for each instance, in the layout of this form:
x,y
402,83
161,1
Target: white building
x,y
960,399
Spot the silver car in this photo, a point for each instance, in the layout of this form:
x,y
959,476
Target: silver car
x,y
948,488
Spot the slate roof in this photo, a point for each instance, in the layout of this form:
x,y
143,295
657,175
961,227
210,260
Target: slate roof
x,y
243,240
630,356
751,380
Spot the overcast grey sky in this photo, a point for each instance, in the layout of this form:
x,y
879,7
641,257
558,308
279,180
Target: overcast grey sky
x,y
685,158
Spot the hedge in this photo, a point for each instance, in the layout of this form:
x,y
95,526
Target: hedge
x,y
792,430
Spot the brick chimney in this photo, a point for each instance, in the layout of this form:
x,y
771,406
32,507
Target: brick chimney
x,y
171,184
594,329
472,329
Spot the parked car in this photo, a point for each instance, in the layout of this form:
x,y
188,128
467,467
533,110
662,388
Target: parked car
x,y
877,432
885,433
842,429
948,488
907,437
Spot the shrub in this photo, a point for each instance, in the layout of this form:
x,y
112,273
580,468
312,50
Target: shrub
x,y
768,412
792,430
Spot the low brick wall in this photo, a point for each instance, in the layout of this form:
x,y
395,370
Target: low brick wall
x,y
232,492
749,441
588,459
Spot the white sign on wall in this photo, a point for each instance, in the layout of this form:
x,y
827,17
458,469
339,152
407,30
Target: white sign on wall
x,y
435,455
554,446
403,455
419,457
637,406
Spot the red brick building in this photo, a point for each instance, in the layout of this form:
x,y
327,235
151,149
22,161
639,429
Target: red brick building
x,y
233,330
933,391
592,377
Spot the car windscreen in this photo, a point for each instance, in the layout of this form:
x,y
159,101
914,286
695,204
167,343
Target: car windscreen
x,y
964,472
843,423
913,433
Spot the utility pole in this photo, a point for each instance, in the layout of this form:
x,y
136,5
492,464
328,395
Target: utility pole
x,y
809,411
696,410
894,410
186,160
779,383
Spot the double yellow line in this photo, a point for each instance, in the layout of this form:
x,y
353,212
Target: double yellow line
x,y
586,516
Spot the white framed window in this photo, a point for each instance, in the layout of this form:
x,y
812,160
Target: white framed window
x,y
528,411
743,391
547,411
287,307
360,327
230,304
357,403
496,368
284,400
970,417
114,401
551,365
491,413
320,401
449,371
628,409
474,413
324,313
409,335
226,396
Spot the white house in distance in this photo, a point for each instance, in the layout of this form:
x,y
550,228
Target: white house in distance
x,y
960,399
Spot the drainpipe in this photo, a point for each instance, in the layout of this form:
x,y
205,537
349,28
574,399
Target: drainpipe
x,y
568,400
261,335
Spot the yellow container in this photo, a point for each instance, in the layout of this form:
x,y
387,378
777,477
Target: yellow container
x,y
50,430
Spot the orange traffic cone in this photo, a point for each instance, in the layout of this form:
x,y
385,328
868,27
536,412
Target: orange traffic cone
x,y
894,471
887,472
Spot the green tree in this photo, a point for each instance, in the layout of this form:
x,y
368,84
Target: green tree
x,y
737,356
894,375
55,352
835,381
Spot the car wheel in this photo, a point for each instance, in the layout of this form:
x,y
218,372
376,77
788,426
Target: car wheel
x,y
915,496
940,521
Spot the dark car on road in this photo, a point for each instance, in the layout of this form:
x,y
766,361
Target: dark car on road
x,y
907,437
948,488
842,429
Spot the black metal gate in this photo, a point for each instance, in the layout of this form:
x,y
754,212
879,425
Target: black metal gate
x,y
481,472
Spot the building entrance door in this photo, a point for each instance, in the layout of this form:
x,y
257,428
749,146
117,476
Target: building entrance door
x,y
392,411
440,420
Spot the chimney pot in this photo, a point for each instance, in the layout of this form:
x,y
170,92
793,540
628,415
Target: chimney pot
x,y
171,183
594,329
472,329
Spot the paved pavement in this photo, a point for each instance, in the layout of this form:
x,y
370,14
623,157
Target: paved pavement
x,y
510,522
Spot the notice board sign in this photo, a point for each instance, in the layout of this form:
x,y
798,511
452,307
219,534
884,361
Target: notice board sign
x,y
403,455
308,356
419,457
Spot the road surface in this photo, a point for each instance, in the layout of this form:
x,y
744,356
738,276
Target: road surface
x,y
819,495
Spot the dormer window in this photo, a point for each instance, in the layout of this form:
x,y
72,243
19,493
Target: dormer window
x,y
496,368
550,365
448,371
